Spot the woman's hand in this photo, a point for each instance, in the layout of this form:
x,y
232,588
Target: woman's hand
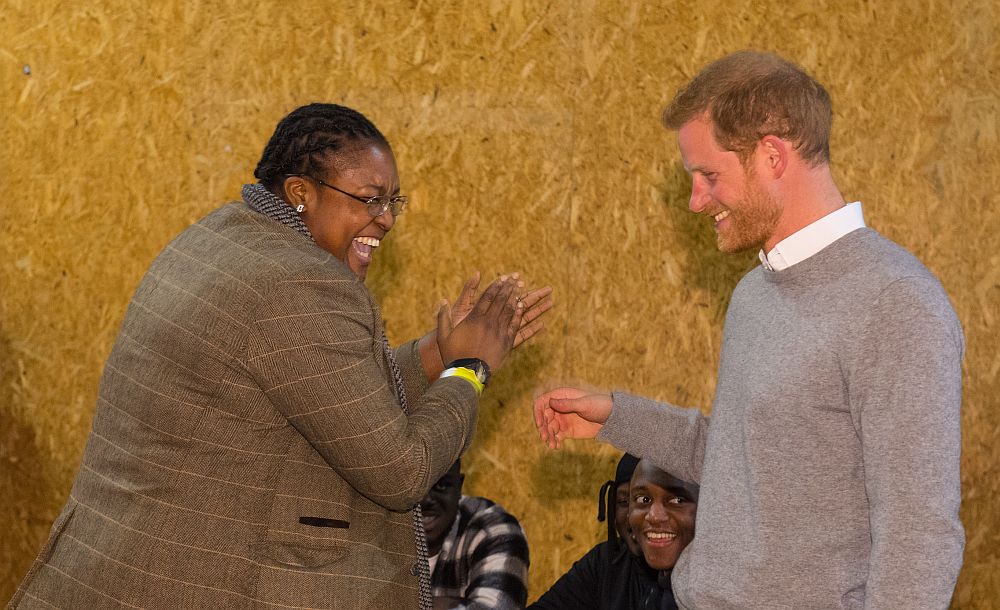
x,y
487,330
536,302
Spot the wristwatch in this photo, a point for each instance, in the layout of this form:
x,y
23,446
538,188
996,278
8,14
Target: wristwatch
x,y
477,366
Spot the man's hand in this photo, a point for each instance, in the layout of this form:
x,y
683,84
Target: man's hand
x,y
570,413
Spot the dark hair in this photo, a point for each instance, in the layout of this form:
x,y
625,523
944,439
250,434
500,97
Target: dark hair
x,y
606,499
749,95
302,139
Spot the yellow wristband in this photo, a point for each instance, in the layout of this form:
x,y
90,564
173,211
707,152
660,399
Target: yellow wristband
x,y
466,374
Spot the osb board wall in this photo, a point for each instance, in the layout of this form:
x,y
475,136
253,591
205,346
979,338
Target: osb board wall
x,y
527,136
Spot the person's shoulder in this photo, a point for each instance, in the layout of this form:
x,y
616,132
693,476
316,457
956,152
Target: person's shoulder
x,y
890,268
484,510
882,258
265,245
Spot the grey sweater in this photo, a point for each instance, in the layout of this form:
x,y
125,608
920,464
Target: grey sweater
x,y
830,471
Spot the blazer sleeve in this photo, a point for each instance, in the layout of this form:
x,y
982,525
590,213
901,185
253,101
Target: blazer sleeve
x,y
316,351
414,379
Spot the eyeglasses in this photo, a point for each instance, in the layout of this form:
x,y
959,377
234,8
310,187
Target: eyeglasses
x,y
376,205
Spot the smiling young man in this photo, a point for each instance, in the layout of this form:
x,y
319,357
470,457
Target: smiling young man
x,y
839,383
661,515
477,550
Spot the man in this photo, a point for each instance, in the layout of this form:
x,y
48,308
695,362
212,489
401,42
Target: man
x,y
656,523
478,552
829,471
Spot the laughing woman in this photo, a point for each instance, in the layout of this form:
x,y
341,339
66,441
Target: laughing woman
x,y
256,442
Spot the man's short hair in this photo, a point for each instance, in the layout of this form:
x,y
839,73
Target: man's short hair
x,y
751,94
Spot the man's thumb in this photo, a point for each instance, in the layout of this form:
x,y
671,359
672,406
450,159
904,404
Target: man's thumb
x,y
564,405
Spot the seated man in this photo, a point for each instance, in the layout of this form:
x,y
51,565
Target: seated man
x,y
661,517
613,574
478,552
655,518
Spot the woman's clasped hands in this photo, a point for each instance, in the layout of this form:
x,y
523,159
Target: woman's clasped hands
x,y
488,325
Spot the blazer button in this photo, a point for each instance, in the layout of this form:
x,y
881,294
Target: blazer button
x,y
414,569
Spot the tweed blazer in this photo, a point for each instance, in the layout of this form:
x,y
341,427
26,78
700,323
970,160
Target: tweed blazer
x,y
248,447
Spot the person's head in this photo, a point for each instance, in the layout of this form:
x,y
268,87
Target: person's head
x,y
326,161
661,514
740,122
613,501
750,94
440,507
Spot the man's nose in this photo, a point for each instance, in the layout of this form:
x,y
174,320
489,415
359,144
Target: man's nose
x,y
658,513
699,196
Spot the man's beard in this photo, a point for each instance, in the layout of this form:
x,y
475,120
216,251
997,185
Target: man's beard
x,y
751,222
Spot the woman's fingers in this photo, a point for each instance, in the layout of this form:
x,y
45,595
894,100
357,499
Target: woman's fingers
x,y
532,297
489,295
526,332
467,297
514,324
505,304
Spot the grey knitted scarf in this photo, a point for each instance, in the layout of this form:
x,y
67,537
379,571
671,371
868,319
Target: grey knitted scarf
x,y
263,201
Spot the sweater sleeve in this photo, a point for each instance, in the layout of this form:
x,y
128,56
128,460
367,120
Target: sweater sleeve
x,y
316,353
905,395
672,437
578,588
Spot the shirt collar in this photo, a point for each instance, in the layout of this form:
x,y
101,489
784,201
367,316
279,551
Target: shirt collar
x,y
812,238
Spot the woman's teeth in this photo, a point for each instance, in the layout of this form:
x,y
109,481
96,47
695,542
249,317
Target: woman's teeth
x,y
364,246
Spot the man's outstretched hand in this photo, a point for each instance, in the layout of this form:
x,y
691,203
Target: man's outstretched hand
x,y
570,413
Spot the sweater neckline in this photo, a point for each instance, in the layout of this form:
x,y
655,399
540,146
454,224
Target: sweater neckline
x,y
838,257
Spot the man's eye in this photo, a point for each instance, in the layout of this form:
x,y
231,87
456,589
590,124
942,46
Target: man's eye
x,y
678,500
641,499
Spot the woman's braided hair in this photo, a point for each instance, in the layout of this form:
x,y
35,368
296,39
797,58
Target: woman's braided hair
x,y
306,136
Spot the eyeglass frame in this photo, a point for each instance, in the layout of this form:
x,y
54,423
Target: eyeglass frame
x,y
385,203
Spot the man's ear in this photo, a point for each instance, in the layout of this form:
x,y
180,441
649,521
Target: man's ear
x,y
773,155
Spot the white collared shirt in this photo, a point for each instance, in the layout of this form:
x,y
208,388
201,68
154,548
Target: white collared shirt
x,y
812,238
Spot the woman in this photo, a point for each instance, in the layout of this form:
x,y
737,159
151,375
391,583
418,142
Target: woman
x,y
256,444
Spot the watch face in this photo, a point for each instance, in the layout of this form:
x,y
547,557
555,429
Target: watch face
x,y
477,366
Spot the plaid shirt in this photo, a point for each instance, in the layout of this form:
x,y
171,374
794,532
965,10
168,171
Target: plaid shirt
x,y
484,559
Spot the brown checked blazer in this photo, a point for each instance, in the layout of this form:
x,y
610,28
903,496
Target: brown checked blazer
x,y
248,448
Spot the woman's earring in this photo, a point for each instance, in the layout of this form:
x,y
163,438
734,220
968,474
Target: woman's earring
x,y
300,207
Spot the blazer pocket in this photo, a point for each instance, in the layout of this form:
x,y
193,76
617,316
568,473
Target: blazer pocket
x,y
311,555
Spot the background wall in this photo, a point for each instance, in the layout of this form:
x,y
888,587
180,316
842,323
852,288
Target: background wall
x,y
527,136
